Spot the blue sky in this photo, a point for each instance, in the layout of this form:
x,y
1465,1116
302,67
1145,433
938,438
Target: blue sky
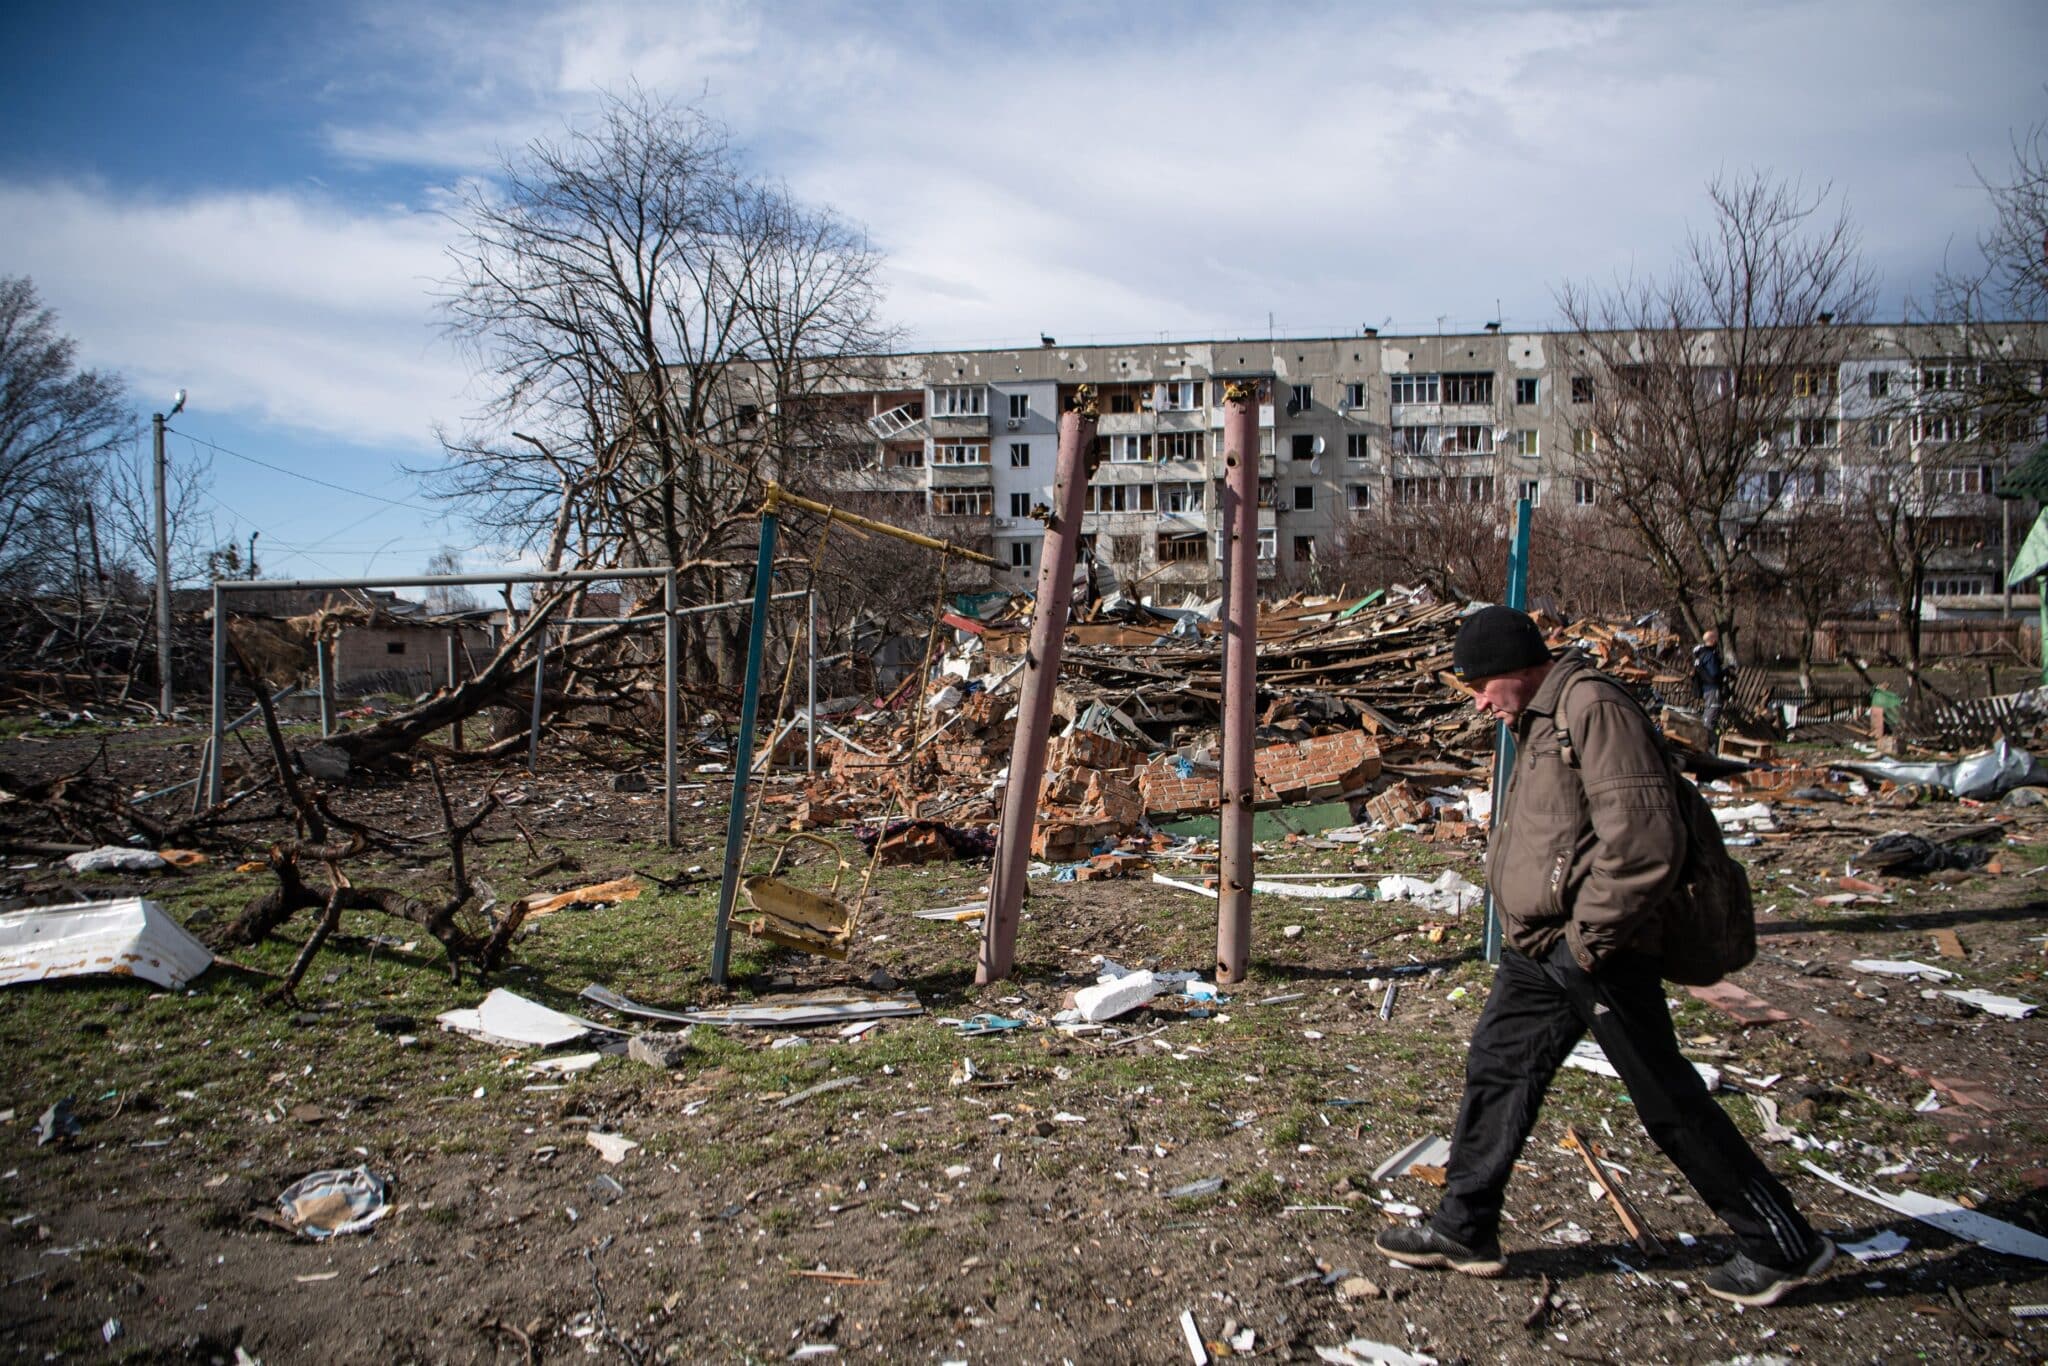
x,y
248,200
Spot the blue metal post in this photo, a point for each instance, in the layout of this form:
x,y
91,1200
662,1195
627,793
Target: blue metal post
x,y
1503,741
743,752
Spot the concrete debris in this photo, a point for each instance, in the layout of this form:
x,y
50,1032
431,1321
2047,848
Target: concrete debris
x,y
131,937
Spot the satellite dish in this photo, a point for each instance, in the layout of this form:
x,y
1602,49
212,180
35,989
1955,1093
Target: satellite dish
x,y
1317,446
1293,408
1316,466
1343,407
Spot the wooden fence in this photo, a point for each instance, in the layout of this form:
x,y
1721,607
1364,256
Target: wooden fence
x,y
2016,639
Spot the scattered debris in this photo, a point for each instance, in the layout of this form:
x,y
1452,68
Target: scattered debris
x,y
57,1125
1876,1248
509,1020
2009,1007
1118,996
836,1084
329,1203
626,888
665,1049
612,1147
132,937
1366,1352
1950,1218
1431,1151
1588,1056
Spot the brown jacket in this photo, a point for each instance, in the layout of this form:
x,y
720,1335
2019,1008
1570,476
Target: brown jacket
x,y
1588,849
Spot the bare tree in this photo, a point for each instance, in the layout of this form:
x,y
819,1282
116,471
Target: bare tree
x,y
651,317
1708,393
58,424
442,597
1447,532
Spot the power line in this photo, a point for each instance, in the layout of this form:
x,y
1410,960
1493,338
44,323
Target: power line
x,y
294,474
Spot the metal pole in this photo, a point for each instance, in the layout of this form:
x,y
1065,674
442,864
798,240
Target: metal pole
x,y
1240,676
540,676
671,705
163,577
811,683
1035,691
455,653
220,691
743,752
323,673
1503,739
2041,642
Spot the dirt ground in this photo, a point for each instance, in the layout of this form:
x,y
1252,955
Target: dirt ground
x,y
1023,1212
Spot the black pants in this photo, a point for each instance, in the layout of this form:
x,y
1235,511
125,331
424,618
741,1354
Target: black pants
x,y
1535,1013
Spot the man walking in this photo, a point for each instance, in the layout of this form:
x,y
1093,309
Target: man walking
x,y
1710,675
1587,845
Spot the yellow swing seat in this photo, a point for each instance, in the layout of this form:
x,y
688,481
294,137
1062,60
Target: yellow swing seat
x,y
797,919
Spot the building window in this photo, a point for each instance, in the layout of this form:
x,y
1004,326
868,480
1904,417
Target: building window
x,y
1525,391
1582,388
1300,398
1304,497
1815,431
1524,442
1123,401
1963,479
1354,396
1020,455
1880,382
1020,505
960,400
1473,387
1130,450
1126,549
1180,395
1583,493
1413,388
909,457
1952,587
960,453
1357,446
1020,405
1180,497
1813,383
1020,554
1304,549
394,647
1468,439
1940,427
1182,549
962,502
1301,446
1413,440
1360,496
1530,491
1879,434
1121,497
1183,445
1583,441
1941,376
1418,489
750,413
1269,545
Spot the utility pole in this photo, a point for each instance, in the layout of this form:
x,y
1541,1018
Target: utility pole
x,y
163,562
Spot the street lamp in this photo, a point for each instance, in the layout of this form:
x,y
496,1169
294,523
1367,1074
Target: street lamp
x,y
163,561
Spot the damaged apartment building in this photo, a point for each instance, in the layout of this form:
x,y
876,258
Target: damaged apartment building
x,y
1351,426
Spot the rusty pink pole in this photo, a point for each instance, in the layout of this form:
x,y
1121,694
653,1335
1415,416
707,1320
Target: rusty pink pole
x,y
1240,675
1035,693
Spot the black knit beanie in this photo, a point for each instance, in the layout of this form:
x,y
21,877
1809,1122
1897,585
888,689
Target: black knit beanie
x,y
1497,640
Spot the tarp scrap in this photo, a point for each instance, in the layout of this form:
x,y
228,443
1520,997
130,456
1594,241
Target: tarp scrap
x,y
334,1202
132,937
1950,1218
1981,776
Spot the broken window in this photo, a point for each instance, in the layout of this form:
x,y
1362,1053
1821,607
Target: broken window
x,y
1582,388
1474,386
1815,431
1477,488
1020,505
1530,491
1524,442
1301,446
1269,544
960,453
1413,440
1130,450
1879,434
1183,445
907,457
962,502
1940,427
749,414
1583,441
1813,383
1182,549
1525,390
1300,398
1180,497
1583,493
1354,396
1417,489
1126,549
1304,549
1020,455
1413,388
1020,405
1880,382
1468,439
1953,586
1304,497
1020,554
1360,496
1180,395
1121,497
960,400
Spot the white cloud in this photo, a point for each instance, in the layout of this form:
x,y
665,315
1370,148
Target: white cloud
x,y
284,308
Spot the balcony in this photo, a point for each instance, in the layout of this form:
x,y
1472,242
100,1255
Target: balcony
x,y
896,479
961,476
1265,415
956,426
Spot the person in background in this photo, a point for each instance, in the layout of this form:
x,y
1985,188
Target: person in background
x,y
1710,675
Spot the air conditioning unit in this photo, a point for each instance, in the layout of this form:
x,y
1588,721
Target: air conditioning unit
x,y
1014,423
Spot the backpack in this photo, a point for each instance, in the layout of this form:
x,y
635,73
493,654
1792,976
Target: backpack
x,y
1708,923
